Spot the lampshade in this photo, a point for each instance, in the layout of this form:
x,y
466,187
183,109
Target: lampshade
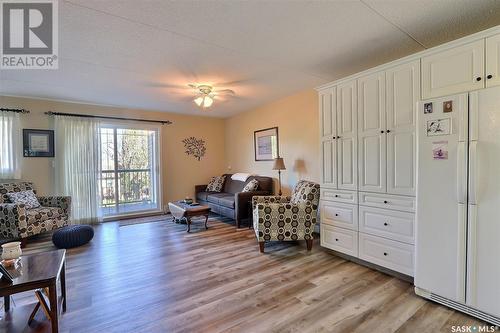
x,y
279,164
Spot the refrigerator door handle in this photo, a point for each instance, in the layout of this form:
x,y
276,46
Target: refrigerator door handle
x,y
461,173
473,173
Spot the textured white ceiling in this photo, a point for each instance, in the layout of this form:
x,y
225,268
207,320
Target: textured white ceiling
x,y
133,53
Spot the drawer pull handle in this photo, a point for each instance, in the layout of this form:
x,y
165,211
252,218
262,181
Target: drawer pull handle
x,y
336,239
386,224
336,214
385,201
336,195
385,253
489,76
478,78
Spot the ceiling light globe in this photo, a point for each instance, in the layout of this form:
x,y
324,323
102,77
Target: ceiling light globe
x,y
208,102
198,101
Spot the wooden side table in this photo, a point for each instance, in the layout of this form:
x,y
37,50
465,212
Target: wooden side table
x,y
39,271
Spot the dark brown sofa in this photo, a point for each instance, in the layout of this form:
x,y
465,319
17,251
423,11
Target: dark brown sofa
x,y
231,202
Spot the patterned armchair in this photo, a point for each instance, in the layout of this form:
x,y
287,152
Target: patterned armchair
x,y
17,222
278,218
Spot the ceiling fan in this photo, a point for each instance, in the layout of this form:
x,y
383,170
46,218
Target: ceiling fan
x,y
206,94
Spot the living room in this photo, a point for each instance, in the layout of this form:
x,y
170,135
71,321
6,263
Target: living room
x,y
249,166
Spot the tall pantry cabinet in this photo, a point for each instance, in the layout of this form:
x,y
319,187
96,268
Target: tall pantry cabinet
x,y
368,166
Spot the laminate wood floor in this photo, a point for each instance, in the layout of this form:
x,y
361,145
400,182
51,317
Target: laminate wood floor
x,y
155,277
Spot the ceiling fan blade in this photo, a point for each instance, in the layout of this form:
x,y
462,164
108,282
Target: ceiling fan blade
x,y
187,99
225,91
235,82
166,85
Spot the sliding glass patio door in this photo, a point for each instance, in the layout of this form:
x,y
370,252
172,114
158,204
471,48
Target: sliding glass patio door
x,y
130,169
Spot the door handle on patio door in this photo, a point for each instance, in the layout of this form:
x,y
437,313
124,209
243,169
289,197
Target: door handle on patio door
x,y
473,173
461,173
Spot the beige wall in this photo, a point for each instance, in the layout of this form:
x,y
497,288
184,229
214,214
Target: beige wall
x,y
179,171
297,120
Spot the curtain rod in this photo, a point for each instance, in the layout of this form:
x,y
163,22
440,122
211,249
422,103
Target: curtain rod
x,y
50,113
14,110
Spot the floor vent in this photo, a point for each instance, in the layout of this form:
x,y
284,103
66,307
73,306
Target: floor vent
x,y
464,308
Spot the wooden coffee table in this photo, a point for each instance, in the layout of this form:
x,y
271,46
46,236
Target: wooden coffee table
x,y
38,272
181,210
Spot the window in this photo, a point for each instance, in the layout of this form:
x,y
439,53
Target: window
x,y
10,145
130,169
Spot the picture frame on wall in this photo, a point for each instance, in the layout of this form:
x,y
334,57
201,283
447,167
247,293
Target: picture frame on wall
x,y
266,144
38,143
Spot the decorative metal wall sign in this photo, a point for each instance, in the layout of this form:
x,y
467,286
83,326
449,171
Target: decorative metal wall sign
x,y
195,147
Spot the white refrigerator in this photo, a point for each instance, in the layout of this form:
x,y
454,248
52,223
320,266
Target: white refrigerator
x,y
457,260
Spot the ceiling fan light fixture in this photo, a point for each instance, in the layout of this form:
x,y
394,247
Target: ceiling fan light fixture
x,y
207,102
199,100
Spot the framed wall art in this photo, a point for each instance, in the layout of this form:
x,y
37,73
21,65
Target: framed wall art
x,y
266,144
38,143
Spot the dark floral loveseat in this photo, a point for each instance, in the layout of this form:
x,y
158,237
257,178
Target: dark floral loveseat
x,y
17,222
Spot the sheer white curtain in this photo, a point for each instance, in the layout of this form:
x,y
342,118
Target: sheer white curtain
x,y
78,166
10,145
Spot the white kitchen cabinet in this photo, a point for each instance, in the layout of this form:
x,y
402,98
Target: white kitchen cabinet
x,y
328,113
493,61
328,148
343,196
386,223
368,138
339,214
338,239
387,201
387,253
347,140
454,70
371,133
403,91
329,163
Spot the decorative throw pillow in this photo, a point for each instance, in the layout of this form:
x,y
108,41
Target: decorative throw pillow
x,y
252,185
216,183
27,198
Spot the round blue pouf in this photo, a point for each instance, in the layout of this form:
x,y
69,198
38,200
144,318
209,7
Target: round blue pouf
x,y
72,236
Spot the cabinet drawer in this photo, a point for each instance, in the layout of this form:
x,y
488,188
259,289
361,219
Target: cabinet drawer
x,y
339,196
338,239
388,201
395,225
339,214
387,253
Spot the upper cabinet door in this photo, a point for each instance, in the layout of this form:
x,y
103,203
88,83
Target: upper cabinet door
x,y
371,133
347,136
493,61
328,112
456,70
403,90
